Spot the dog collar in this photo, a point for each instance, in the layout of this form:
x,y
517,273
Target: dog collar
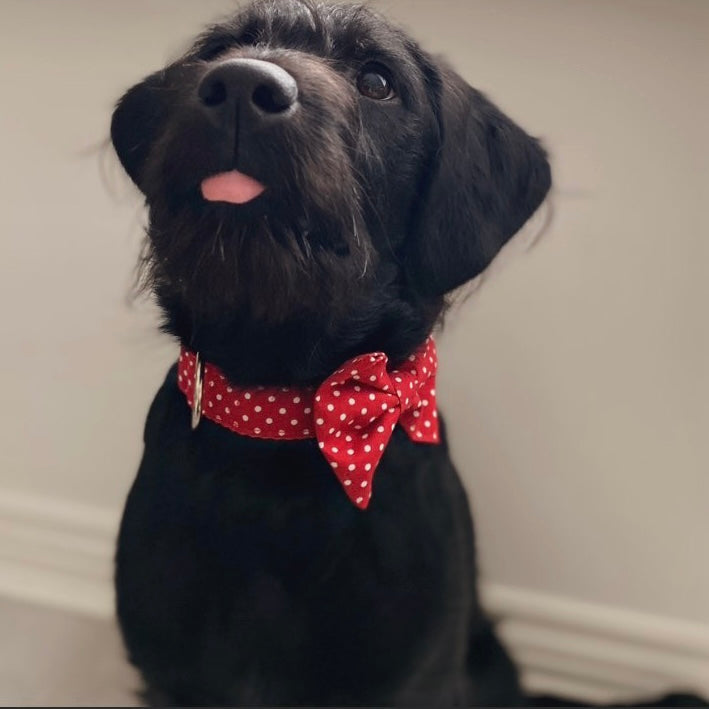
x,y
352,414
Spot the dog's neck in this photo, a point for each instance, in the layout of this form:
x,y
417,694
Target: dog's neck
x,y
302,351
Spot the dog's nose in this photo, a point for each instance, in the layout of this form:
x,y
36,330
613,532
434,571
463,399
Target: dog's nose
x,y
262,88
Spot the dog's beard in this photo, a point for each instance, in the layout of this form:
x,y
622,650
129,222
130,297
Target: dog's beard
x,y
291,263
302,249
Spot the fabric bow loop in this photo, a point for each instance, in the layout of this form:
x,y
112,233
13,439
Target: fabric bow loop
x,y
356,410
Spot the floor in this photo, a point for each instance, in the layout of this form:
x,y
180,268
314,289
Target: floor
x,y
53,658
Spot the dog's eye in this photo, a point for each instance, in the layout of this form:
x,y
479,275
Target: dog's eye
x,y
373,84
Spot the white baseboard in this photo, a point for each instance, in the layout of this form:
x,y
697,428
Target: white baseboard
x,y
61,554
57,553
595,652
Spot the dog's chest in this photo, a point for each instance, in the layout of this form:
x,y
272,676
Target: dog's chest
x,y
249,554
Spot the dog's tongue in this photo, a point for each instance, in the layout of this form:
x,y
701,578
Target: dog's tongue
x,y
232,186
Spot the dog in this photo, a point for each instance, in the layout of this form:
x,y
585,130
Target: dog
x,y
317,185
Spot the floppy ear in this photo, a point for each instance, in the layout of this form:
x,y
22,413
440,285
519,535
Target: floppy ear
x,y
136,123
486,179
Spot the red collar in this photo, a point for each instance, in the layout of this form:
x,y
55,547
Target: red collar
x,y
352,414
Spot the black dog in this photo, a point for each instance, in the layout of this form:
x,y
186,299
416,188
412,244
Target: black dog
x,y
361,181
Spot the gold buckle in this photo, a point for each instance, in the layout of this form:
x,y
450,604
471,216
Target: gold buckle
x,y
197,392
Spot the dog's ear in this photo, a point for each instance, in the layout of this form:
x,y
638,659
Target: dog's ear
x,y
487,177
136,123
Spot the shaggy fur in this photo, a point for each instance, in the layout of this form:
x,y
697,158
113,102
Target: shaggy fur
x,y
244,575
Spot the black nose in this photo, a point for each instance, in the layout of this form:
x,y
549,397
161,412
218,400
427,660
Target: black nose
x,y
259,87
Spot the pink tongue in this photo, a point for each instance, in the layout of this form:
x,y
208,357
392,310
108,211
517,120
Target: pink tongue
x,y
233,187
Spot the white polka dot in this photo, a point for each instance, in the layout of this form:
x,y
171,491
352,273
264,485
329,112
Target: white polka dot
x,y
364,411
219,397
306,431
435,414
351,467
353,372
330,407
397,379
363,483
269,420
281,433
373,378
257,430
380,429
257,409
210,404
416,414
320,422
331,431
317,398
424,402
348,438
412,358
372,397
350,451
358,388
365,436
351,402
228,410
307,411
211,383
368,466
348,482
433,392
294,422
247,395
367,448
381,446
419,434
360,500
384,406
229,389
335,450
427,424
245,417
271,398
338,434
333,465
343,417
281,411
336,392
321,445
179,377
296,400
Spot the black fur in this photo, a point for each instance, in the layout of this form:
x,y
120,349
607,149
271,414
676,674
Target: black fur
x,y
244,575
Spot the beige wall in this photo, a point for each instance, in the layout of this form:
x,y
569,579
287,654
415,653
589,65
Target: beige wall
x,y
575,381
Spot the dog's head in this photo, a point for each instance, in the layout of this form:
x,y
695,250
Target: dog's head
x,y
308,168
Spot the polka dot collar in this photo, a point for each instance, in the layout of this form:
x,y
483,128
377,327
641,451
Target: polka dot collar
x,y
352,414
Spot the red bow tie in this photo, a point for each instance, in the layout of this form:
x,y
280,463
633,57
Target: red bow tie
x,y
352,413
